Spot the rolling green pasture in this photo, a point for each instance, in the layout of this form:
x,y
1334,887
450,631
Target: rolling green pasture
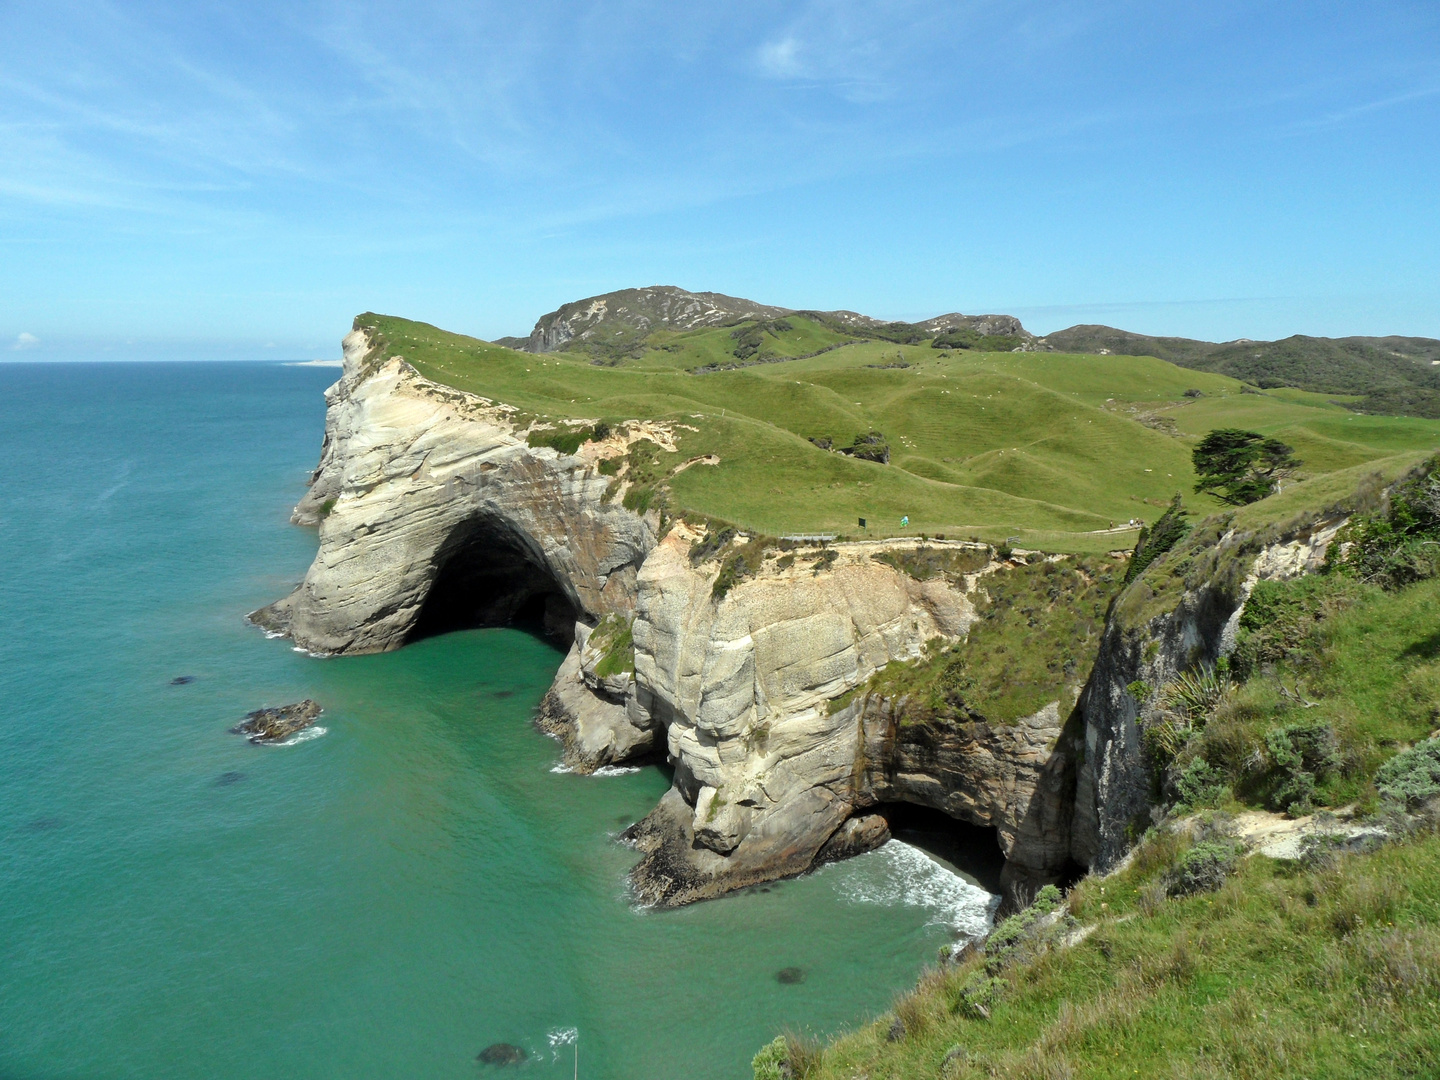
x,y
1048,447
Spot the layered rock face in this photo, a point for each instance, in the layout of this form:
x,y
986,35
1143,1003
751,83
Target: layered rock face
x,y
427,494
434,512
765,770
1197,628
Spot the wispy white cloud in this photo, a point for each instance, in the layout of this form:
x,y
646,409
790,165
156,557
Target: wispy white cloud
x,y
1389,101
24,341
781,58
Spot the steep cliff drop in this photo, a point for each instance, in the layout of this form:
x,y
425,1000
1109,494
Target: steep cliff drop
x,y
434,511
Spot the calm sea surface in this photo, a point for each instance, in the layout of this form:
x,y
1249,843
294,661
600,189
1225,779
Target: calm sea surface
x,y
383,899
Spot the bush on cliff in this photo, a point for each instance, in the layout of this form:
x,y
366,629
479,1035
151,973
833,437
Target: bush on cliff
x,y
1400,542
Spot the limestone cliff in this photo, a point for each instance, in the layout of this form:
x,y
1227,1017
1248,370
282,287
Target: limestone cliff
x,y
429,501
759,688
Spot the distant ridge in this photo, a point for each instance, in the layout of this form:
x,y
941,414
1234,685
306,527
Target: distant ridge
x,y
616,322
1391,375
1397,375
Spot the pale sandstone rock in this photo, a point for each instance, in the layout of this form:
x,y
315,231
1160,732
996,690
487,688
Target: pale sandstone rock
x,y
414,473
421,481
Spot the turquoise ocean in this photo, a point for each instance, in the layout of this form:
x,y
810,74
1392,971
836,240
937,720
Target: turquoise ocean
x,y
394,890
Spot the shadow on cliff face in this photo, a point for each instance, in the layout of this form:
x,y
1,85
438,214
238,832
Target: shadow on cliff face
x,y
487,574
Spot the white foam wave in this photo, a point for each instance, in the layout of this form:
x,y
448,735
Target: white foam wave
x,y
560,1038
561,767
307,652
616,770
901,874
314,731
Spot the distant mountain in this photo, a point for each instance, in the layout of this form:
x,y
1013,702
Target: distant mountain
x,y
1396,375
617,323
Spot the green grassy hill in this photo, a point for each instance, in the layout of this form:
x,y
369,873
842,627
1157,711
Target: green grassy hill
x,y
1396,375
1051,447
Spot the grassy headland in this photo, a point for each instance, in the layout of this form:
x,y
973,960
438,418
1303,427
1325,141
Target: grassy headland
x,y
1052,448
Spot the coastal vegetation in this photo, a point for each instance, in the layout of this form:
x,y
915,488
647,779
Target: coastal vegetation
x,y
1191,962
1208,953
1047,450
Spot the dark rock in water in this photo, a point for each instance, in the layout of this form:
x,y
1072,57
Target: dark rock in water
x,y
503,693
225,779
42,824
182,680
502,1054
791,976
272,725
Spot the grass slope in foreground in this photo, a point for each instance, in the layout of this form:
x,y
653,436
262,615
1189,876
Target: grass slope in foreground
x,y
1197,962
1052,448
1330,970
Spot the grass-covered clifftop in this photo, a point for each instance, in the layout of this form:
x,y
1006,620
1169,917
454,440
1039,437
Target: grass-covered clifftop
x,y
1217,951
1048,447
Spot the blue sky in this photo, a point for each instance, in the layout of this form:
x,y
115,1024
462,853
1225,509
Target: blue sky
x,y
226,179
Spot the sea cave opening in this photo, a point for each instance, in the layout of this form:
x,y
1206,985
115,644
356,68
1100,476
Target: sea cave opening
x,y
489,573
973,850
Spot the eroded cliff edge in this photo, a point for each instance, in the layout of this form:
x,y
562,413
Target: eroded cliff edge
x,y
767,691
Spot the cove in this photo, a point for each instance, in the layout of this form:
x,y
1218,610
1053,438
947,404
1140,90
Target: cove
x,y
387,898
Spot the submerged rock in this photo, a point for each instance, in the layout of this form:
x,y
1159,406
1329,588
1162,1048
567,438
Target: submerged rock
x,y
502,1054
790,976
273,725
225,779
182,680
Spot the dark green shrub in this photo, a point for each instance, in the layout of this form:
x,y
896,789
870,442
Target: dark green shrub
x,y
1155,541
1413,776
1281,619
1203,868
1301,755
1201,785
1399,543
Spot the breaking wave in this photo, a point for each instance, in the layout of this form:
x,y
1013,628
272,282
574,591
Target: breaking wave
x,y
899,874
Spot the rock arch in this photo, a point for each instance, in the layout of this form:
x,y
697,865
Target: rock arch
x,y
488,571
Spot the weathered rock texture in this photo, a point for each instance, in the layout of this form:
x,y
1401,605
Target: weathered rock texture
x,y
433,511
425,493
273,725
765,770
